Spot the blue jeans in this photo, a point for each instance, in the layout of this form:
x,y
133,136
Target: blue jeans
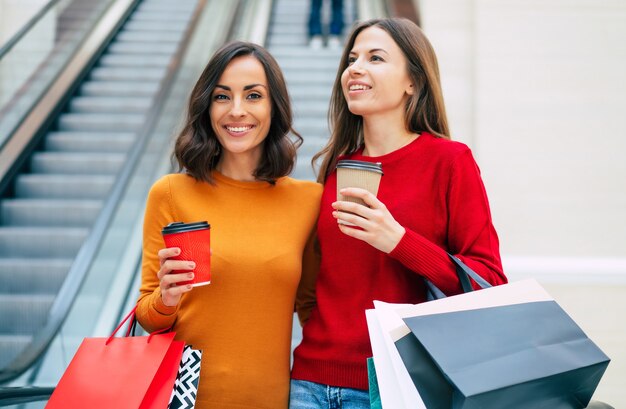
x,y
310,395
315,18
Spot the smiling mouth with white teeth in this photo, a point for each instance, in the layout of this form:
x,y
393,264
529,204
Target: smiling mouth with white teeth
x,y
359,87
238,129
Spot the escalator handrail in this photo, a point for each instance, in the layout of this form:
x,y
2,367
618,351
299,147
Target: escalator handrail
x,y
17,37
85,256
27,134
15,396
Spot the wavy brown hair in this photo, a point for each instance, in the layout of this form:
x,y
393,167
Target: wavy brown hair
x,y
425,110
197,148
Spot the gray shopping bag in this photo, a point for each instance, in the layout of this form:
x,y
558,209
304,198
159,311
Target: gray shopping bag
x,y
526,355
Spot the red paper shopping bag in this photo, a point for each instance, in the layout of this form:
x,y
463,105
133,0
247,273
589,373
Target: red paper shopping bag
x,y
129,372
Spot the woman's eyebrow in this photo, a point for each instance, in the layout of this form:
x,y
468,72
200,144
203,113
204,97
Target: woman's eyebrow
x,y
373,50
245,88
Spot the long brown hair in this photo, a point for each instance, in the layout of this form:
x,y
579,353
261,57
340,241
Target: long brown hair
x,y
197,149
425,110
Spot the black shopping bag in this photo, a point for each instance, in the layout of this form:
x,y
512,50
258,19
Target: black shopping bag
x,y
525,355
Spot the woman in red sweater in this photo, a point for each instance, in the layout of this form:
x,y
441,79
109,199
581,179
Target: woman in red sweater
x,y
387,107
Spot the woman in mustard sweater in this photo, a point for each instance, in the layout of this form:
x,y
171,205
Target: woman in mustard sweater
x,y
235,151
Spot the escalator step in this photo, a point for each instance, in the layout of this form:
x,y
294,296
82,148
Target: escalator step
x,y
119,88
23,314
32,276
127,74
302,64
289,41
100,122
288,52
134,61
168,5
295,77
80,163
41,242
89,141
290,30
11,346
63,186
317,109
148,37
106,105
49,212
310,126
142,48
162,16
174,27
311,91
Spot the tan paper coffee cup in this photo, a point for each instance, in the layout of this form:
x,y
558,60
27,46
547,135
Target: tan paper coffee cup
x,y
361,174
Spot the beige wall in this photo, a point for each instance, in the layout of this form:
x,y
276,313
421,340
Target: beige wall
x,y
538,89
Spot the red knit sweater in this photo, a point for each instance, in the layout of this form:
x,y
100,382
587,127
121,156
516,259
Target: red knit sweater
x,y
433,188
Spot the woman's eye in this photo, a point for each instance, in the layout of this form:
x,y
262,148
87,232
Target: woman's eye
x,y
255,95
351,60
220,97
377,58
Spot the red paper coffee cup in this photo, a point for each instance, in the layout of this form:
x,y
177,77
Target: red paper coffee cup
x,y
194,241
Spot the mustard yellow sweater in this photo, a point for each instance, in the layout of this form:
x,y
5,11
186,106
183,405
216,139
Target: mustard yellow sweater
x,y
261,252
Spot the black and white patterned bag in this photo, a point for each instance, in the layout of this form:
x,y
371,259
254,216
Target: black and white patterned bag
x,y
186,386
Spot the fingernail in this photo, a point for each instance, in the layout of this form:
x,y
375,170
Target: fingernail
x,y
192,265
191,275
177,251
189,286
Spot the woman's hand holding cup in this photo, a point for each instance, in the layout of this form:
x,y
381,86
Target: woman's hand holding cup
x,y
376,225
171,292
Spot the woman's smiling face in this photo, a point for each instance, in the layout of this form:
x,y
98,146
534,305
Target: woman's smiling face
x,y
241,109
376,79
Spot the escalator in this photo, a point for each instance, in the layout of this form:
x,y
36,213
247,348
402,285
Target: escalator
x,y
72,196
310,73
57,198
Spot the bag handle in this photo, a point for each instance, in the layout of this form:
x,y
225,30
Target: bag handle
x,y
131,327
130,314
464,273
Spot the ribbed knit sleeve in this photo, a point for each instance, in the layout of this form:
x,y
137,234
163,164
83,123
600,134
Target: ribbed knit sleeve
x,y
152,314
471,235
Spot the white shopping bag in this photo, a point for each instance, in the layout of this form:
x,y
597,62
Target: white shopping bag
x,y
394,383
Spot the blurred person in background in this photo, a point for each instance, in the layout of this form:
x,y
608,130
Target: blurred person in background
x,y
316,39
